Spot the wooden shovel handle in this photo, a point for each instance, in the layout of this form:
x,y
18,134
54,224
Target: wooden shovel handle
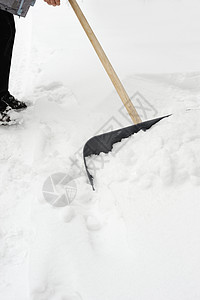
x,y
106,63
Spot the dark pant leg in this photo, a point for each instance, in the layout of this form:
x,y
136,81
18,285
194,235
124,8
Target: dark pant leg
x,y
7,37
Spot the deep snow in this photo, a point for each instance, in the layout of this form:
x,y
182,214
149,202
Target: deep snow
x,y
138,235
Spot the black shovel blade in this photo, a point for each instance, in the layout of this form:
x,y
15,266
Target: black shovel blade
x,y
104,142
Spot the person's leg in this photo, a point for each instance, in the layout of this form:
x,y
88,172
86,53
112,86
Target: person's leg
x,y
7,37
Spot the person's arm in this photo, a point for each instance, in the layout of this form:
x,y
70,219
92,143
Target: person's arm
x,y
52,2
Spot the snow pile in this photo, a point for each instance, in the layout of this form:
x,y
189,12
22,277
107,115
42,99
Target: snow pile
x,y
167,155
155,181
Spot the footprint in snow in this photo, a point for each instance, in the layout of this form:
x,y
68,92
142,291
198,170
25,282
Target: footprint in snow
x,y
93,223
76,296
56,92
67,214
51,293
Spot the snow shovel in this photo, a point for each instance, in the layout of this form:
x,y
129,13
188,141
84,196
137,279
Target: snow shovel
x,y
105,142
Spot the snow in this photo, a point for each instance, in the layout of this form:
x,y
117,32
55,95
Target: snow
x,y
138,235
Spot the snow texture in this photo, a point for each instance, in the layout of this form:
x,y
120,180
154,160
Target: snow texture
x,y
138,235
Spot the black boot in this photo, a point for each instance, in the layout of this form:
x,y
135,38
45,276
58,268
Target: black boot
x,y
7,115
10,101
4,115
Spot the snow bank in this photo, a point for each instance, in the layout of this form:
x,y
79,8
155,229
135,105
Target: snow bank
x,y
154,179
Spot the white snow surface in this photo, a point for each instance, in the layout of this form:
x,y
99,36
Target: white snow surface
x,y
137,236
